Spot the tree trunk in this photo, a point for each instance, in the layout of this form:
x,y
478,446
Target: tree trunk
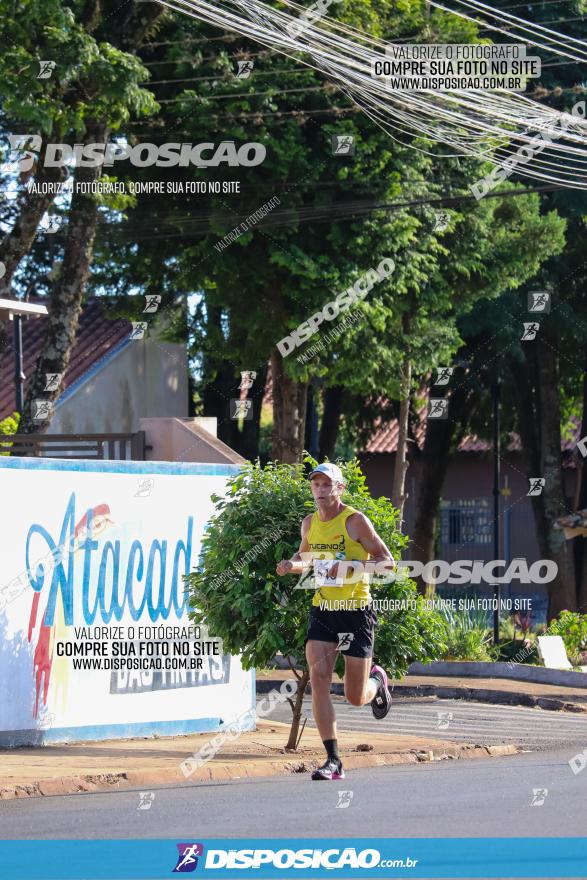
x,y
581,543
536,385
142,20
582,569
562,591
296,708
66,299
32,206
219,383
332,401
249,447
289,413
216,398
442,435
400,469
16,244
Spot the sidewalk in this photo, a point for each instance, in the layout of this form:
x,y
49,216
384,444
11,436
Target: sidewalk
x,y
503,691
139,763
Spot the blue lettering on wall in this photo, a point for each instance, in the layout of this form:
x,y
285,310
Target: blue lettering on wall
x,y
139,591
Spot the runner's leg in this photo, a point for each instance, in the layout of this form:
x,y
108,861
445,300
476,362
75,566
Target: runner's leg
x,y
321,657
358,687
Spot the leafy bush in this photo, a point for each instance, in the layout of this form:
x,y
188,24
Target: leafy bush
x,y
519,651
8,426
467,636
573,629
507,629
237,594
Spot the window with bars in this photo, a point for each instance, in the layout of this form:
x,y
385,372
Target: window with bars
x,y
466,521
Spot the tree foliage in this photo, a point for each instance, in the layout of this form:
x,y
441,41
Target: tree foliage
x,y
257,613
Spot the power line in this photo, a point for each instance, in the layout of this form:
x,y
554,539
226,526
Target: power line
x,y
227,77
550,21
228,95
540,92
315,214
537,3
308,214
508,26
558,64
229,36
337,111
262,52
271,53
301,113
323,88
281,71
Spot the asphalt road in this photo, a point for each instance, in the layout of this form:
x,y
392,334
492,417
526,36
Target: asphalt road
x,y
475,798
460,721
534,793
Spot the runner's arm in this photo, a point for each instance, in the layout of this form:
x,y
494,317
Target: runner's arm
x,y
364,532
370,540
298,563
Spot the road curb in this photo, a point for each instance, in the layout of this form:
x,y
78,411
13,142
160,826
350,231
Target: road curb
x,y
217,771
500,669
480,695
522,672
488,695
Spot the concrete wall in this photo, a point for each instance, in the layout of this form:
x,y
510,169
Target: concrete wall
x,y
470,475
141,378
192,439
95,551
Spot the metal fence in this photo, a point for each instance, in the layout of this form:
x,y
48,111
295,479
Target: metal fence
x,y
115,447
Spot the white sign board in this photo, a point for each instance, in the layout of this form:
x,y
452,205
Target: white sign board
x,y
553,652
92,596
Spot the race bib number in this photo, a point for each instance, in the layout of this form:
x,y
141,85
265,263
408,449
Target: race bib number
x,y
321,573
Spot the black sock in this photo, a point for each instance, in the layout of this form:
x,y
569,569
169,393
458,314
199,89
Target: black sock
x,y
331,746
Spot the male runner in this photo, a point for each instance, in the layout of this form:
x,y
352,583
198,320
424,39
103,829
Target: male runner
x,y
341,618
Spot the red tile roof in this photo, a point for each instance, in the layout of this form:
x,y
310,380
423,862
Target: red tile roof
x,y
97,335
384,439
385,434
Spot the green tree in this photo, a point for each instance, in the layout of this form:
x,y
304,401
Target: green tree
x,y
411,325
513,239
8,426
544,379
322,237
236,593
94,88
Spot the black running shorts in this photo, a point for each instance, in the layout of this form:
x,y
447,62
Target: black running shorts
x,y
353,631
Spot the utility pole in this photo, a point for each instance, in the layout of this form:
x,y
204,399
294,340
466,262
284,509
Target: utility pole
x,y
495,396
14,310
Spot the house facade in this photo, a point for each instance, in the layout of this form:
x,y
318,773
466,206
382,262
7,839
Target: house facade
x,y
113,380
466,522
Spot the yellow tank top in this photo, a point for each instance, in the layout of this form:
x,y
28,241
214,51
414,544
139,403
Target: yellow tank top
x,y
331,540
